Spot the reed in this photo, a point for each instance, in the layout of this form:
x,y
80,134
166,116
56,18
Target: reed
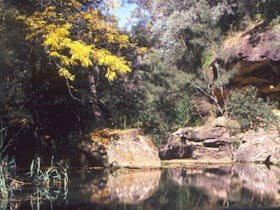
x,y
55,175
4,190
49,183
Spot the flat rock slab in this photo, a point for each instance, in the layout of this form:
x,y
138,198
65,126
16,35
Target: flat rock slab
x,y
203,133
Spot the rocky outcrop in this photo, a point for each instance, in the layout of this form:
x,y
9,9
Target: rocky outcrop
x,y
221,141
259,147
117,149
210,142
255,53
259,42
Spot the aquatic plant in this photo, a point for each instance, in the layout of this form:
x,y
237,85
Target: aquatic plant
x,y
7,168
54,175
3,184
50,182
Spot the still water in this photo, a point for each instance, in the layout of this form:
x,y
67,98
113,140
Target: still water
x,y
222,187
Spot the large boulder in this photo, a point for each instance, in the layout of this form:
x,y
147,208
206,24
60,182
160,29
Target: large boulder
x,y
121,148
210,142
261,146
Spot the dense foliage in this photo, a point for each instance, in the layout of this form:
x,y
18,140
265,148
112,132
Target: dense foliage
x,y
59,61
251,111
185,38
66,68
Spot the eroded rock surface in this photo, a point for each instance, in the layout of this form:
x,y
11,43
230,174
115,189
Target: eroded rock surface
x,y
209,142
127,148
260,147
255,53
257,43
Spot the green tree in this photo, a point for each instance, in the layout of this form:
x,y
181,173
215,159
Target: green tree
x,y
77,37
58,77
187,36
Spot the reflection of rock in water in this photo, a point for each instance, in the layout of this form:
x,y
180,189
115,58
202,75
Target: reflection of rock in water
x,y
215,182
125,187
233,183
258,179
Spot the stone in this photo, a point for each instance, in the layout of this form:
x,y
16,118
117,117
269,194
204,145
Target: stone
x,y
212,154
200,143
120,149
176,151
253,45
177,147
199,134
219,122
263,146
256,55
204,132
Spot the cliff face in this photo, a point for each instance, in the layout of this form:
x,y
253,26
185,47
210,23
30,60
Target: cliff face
x,y
255,53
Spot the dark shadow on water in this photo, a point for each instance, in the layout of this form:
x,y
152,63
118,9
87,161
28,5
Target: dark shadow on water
x,y
239,186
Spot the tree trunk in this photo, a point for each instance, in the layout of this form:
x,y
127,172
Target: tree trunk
x,y
93,101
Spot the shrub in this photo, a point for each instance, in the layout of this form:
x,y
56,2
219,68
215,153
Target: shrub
x,y
168,114
185,112
251,111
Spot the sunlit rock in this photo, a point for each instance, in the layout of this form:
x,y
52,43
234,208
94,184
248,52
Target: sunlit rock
x,y
210,142
120,148
255,53
260,147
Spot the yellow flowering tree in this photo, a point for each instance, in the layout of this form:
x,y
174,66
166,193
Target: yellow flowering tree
x,y
76,34
80,37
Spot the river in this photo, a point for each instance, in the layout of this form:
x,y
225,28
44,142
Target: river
x,y
238,186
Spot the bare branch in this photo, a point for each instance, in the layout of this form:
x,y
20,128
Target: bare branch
x,y
70,92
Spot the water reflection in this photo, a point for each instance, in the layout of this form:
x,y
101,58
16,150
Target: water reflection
x,y
262,181
129,187
232,186
240,185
